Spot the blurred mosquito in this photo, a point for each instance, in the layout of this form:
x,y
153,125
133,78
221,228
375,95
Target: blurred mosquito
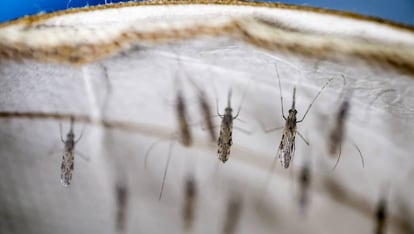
x,y
184,128
205,111
68,158
337,133
121,194
225,141
184,132
381,215
189,202
232,215
286,149
304,182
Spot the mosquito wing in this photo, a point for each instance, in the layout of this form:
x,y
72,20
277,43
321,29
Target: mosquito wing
x,y
287,147
224,141
67,168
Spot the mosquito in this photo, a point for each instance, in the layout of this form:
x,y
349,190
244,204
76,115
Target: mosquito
x,y
185,136
205,110
68,158
189,202
304,182
225,141
286,149
233,215
337,133
381,215
121,194
184,128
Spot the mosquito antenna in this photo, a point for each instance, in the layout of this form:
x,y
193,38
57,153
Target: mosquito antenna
x,y
165,170
314,99
280,91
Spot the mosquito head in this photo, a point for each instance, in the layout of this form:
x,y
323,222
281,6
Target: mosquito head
x,y
70,135
228,111
293,112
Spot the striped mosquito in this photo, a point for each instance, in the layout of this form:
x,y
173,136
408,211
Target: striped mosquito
x,y
189,202
68,158
225,141
286,149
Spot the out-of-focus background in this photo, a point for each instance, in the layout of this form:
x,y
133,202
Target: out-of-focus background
x,y
396,10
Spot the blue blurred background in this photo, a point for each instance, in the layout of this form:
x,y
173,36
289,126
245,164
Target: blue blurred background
x,y
396,10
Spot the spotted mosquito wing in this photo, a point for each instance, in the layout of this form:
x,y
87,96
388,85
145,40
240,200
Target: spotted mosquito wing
x,y
225,141
286,147
67,168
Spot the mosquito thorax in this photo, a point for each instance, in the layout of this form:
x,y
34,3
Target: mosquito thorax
x,y
180,104
70,136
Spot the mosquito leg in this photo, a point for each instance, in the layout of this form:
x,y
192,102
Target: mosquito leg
x,y
86,158
81,134
273,129
314,99
243,130
147,154
165,170
339,157
303,138
360,153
